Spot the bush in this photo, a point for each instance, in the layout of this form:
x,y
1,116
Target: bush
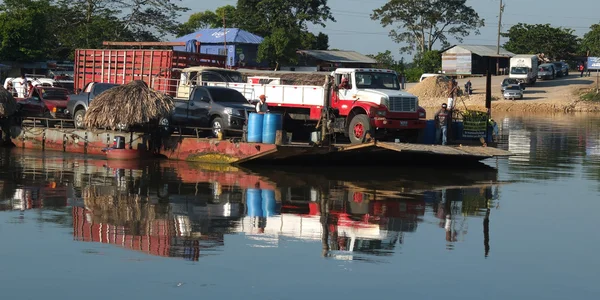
x,y
413,74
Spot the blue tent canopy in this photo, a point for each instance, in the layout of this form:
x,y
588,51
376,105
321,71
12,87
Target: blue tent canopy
x,y
220,36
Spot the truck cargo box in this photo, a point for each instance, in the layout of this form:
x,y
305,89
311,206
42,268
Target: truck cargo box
x,y
122,66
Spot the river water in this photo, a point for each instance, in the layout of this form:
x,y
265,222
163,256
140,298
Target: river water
x,y
520,228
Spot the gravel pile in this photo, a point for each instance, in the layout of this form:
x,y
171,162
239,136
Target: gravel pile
x,y
431,87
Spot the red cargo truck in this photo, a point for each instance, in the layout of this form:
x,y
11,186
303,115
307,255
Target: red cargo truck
x,y
121,66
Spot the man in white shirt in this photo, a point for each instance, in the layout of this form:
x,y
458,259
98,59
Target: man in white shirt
x,y
261,106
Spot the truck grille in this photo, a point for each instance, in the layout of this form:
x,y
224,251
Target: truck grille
x,y
403,104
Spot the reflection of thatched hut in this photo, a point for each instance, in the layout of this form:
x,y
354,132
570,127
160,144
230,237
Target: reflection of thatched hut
x,y
8,104
121,209
130,104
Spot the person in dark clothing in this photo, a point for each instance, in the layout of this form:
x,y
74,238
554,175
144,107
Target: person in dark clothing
x,y
581,68
441,123
468,88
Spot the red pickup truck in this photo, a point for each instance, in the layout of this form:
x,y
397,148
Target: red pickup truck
x,y
45,102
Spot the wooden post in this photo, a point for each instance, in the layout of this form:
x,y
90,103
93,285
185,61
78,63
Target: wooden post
x,y
279,137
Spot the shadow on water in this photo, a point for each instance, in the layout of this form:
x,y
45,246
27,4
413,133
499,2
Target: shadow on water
x,y
179,209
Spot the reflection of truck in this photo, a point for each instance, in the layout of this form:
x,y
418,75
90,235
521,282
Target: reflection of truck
x,y
524,67
373,102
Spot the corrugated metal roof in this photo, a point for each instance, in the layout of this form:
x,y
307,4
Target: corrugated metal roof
x,y
338,56
484,50
218,36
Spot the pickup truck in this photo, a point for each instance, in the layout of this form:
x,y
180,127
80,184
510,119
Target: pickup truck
x,y
219,108
79,103
44,102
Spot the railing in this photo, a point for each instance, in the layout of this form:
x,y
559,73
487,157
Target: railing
x,y
181,130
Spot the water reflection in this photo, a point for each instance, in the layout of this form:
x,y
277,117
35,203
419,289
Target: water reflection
x,y
177,209
551,147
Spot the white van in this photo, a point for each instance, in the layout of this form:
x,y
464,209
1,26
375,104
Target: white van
x,y
427,75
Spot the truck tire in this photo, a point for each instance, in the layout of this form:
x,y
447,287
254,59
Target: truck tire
x,y
359,126
217,126
78,118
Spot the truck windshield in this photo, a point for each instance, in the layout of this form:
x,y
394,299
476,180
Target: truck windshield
x,y
55,94
220,76
227,95
377,80
519,70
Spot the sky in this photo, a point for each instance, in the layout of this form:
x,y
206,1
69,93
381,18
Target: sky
x,y
354,30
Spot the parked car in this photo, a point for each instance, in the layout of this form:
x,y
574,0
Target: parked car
x,y
219,108
45,102
565,68
78,104
427,75
513,91
546,71
508,81
560,69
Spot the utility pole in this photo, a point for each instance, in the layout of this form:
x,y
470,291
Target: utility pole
x,y
499,27
499,31
225,39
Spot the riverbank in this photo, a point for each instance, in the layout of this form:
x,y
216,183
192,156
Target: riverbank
x,y
559,95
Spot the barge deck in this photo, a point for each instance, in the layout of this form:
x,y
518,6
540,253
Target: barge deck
x,y
232,151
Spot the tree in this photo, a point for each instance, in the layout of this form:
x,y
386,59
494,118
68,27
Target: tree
x,y
554,42
23,30
430,61
385,60
262,17
209,19
422,23
591,41
279,47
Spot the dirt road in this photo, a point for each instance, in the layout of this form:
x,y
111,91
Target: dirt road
x,y
556,95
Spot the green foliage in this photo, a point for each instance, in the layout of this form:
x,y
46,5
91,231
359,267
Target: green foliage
x,y
591,41
209,19
279,48
593,96
23,30
422,23
555,42
413,74
430,61
52,29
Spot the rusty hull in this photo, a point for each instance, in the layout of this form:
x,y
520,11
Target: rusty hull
x,y
213,150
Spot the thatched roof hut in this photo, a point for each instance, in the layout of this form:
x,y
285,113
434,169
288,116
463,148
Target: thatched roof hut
x,y
130,104
8,104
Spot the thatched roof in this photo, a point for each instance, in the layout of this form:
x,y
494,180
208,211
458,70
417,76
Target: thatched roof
x,y
8,104
130,104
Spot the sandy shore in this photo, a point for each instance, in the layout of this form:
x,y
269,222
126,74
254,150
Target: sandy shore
x,y
558,95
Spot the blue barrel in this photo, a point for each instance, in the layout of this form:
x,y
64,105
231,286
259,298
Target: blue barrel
x,y
429,134
254,202
268,203
255,128
458,130
271,123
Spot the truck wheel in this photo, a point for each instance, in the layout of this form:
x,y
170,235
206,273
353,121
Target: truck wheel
x,y
359,126
78,118
217,126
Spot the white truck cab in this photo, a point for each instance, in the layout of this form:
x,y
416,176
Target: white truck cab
x,y
378,86
524,68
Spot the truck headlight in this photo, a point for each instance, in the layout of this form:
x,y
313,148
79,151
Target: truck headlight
x,y
385,101
421,114
380,113
231,111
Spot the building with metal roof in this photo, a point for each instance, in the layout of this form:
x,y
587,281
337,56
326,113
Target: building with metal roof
x,y
475,60
240,46
328,60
